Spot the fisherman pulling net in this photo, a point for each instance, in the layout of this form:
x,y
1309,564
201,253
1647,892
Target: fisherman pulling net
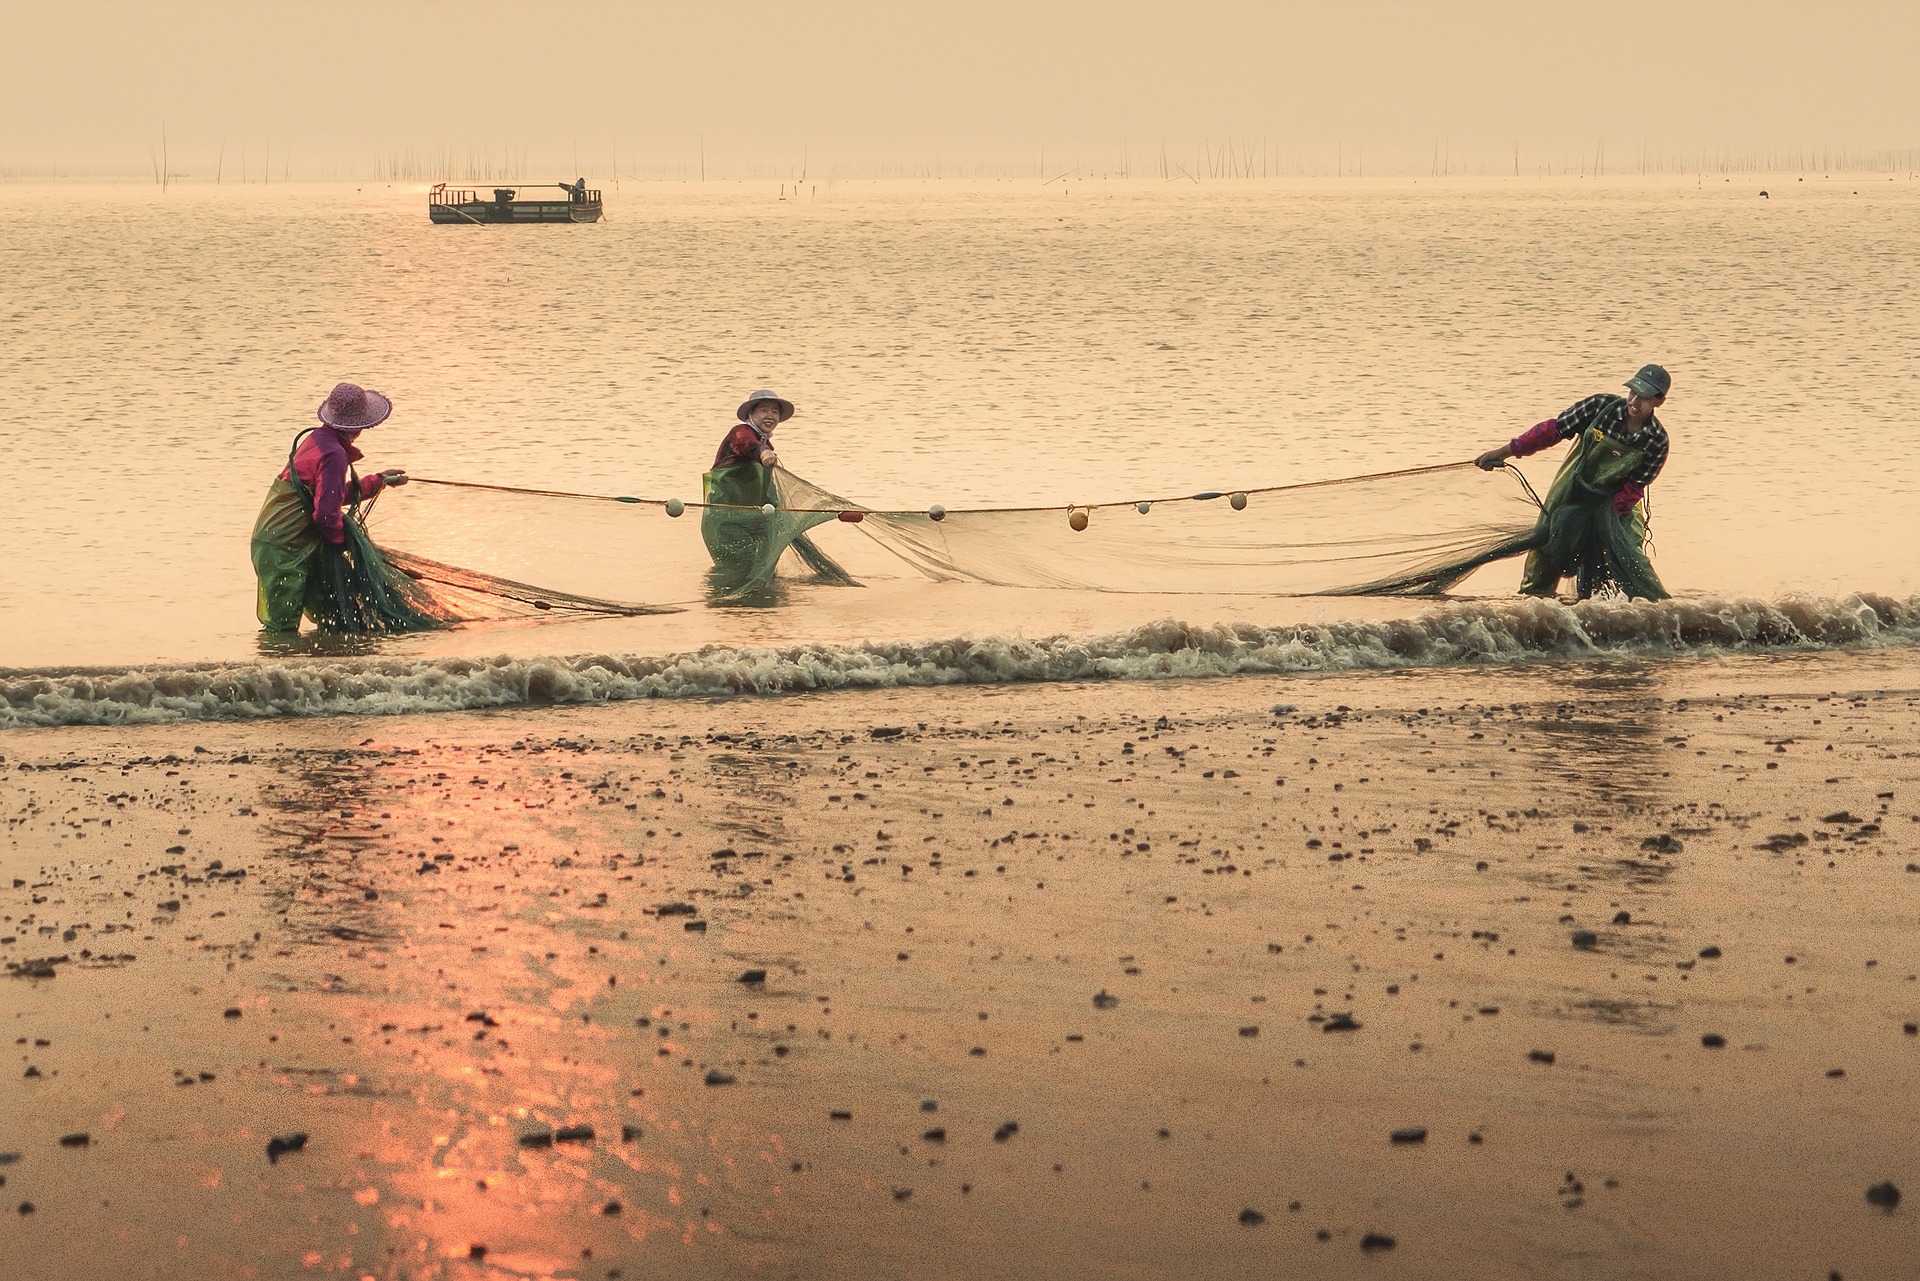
x,y
312,554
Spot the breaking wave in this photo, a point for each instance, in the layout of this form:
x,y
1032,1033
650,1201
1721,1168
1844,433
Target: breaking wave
x,y
1462,633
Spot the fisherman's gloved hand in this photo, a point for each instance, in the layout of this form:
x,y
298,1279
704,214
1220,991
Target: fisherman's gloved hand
x,y
1629,496
393,476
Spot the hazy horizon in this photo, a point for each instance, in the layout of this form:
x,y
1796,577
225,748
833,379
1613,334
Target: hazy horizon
x,y
848,88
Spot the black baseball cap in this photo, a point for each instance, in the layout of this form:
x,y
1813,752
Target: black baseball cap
x,y
1652,380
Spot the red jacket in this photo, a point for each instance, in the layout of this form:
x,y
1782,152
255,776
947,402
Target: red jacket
x,y
743,443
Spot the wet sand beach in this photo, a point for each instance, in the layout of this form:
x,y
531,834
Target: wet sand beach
x,y
1571,970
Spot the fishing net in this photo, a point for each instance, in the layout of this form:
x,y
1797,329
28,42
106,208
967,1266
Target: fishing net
x,y
355,588
1403,533
1415,532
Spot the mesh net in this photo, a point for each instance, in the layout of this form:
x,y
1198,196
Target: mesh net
x,y
362,587
1416,532
1403,533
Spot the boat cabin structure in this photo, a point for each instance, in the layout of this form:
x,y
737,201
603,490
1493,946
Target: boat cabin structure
x,y
464,205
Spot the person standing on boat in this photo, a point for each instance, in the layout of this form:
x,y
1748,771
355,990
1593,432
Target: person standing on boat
x,y
1592,525
305,509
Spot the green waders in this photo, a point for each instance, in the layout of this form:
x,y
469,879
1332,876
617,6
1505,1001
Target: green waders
x,y
746,543
350,588
286,544
1581,536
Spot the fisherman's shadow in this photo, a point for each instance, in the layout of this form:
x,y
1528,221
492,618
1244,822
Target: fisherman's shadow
x,y
1602,736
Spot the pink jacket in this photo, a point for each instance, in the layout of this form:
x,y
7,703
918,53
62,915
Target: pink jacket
x,y
322,461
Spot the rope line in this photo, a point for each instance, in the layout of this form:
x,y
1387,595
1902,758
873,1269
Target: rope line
x,y
1204,496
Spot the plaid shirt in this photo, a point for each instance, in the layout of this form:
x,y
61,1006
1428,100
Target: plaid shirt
x,y
1608,412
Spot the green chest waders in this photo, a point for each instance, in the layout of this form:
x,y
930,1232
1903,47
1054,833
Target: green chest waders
x,y
1581,536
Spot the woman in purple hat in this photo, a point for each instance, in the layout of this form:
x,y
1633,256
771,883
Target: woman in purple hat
x,y
305,510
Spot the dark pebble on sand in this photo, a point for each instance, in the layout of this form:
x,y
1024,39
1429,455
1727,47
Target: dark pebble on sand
x,y
1713,1040
839,1114
1623,918
1540,1056
628,1133
75,1140
476,1252
611,1207
1412,1134
695,927
1104,1000
936,1135
1252,1218
716,1077
1006,1131
574,1134
1709,952
543,1139
1341,1023
1884,1195
753,976
1377,1241
26,1207
1911,1029
281,1144
1585,939
231,1012
1250,1031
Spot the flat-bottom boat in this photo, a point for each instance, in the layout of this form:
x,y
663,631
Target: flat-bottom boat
x,y
464,205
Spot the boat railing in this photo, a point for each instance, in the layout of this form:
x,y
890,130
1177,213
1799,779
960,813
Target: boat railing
x,y
441,194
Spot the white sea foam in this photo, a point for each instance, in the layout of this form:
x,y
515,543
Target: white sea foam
x,y
1464,633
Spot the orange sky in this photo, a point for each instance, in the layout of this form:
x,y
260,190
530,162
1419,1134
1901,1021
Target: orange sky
x,y
854,84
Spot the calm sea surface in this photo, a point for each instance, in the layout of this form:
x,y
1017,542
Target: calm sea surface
x,y
951,342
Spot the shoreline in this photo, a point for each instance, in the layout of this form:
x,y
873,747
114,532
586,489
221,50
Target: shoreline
x,y
1462,635
450,929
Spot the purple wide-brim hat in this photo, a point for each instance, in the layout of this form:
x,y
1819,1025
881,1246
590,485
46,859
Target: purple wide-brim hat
x,y
352,407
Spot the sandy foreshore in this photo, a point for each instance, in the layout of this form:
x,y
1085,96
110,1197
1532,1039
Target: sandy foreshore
x,y
1563,971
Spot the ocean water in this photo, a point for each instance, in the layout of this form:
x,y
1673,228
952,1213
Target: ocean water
x,y
990,343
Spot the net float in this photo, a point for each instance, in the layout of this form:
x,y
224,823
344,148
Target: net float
x,y
852,518
1077,518
936,512
1239,502
767,509
1143,507
675,507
